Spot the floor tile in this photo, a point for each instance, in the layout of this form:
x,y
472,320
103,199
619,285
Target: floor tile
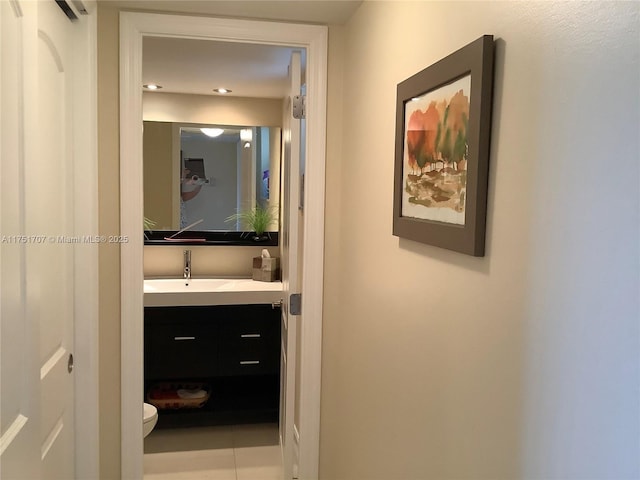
x,y
254,435
239,452
229,474
216,464
183,439
258,473
258,463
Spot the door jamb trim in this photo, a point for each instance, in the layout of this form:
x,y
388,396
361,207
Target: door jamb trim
x,y
133,26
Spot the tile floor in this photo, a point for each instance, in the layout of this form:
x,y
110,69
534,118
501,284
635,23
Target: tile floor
x,y
235,452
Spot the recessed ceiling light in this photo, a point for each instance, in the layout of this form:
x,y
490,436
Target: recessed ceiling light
x,y
152,86
221,90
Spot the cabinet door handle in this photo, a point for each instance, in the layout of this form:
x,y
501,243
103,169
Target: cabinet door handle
x,y
250,335
184,338
249,362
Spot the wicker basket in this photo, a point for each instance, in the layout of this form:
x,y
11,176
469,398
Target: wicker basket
x,y
164,395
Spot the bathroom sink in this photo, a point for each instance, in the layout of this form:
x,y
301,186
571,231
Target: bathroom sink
x,y
163,292
169,285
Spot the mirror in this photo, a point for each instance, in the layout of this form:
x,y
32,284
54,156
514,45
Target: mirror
x,y
187,75
205,173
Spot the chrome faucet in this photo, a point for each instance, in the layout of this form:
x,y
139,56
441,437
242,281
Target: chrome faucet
x,y
187,266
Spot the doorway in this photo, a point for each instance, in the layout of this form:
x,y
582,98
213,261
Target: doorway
x,y
133,27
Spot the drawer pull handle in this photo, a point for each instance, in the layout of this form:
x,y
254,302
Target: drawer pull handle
x,y
250,335
249,362
184,338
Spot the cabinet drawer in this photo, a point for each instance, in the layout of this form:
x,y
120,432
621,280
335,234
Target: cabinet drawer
x,y
249,329
250,364
250,358
250,345
181,350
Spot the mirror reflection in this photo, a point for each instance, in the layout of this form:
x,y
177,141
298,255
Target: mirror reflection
x,y
206,173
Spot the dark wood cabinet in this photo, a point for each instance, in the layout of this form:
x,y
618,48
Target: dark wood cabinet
x,y
249,345
233,349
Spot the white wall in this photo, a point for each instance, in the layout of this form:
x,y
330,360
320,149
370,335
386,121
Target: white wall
x,y
524,363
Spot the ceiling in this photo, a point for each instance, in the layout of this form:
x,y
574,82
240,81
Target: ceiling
x,y
324,12
199,66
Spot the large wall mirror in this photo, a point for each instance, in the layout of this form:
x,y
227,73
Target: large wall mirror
x,y
209,155
199,175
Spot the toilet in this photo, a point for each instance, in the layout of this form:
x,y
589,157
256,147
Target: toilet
x,y
150,418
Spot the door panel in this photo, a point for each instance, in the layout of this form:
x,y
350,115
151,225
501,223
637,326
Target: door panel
x,y
37,301
18,375
289,254
50,264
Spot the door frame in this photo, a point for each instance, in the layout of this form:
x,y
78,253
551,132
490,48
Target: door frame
x,y
86,285
133,27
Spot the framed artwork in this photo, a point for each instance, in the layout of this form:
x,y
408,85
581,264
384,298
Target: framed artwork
x,y
443,127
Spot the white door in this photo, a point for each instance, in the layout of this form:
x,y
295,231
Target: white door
x,y
38,242
19,375
290,247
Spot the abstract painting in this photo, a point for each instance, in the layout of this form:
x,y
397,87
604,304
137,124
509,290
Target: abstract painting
x,y
435,154
443,126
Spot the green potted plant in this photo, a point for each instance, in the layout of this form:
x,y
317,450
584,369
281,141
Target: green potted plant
x,y
257,219
147,226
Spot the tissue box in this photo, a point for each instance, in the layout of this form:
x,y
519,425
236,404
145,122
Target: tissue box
x,y
265,269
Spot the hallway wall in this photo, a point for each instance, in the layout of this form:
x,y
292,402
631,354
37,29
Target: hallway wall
x,y
436,365
109,254
524,363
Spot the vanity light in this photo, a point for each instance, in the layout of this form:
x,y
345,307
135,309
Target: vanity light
x,y
212,132
222,90
152,86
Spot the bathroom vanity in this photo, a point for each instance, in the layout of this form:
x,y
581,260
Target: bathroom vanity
x,y
199,336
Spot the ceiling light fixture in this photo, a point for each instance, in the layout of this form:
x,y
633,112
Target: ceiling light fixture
x,y
152,86
222,90
212,132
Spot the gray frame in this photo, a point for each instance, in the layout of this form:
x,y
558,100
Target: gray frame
x,y
475,59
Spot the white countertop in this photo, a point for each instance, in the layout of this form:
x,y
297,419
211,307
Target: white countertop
x,y
166,292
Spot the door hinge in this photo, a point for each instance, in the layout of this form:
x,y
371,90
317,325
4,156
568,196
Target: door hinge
x,y
295,304
72,8
299,107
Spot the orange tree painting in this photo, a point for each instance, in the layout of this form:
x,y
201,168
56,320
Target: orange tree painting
x,y
435,154
441,160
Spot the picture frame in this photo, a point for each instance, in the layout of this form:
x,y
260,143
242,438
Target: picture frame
x,y
443,129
